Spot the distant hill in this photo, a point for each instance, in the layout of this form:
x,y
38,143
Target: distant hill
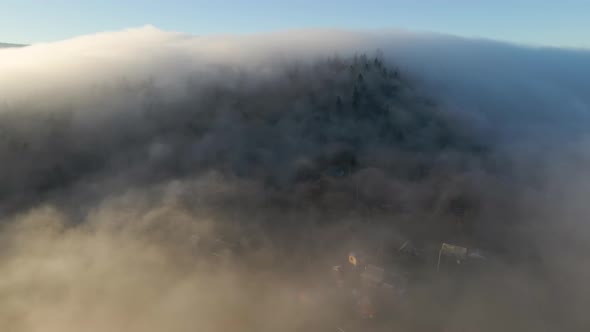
x,y
5,45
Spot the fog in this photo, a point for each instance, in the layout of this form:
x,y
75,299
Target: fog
x,y
123,152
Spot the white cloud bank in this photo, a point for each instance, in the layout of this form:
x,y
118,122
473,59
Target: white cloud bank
x,y
116,147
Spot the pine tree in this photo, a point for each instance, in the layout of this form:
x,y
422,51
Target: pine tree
x,y
355,97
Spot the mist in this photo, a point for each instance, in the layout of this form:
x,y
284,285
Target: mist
x,y
123,152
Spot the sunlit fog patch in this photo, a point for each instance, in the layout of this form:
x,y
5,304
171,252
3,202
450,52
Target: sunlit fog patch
x,y
154,180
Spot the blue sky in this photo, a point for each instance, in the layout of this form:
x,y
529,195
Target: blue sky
x,y
537,22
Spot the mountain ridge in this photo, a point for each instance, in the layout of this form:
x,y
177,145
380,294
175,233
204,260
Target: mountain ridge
x,y
8,45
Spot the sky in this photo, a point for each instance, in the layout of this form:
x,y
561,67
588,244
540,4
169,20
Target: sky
x,y
533,22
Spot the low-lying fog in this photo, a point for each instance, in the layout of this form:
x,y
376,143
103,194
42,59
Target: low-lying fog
x,y
124,155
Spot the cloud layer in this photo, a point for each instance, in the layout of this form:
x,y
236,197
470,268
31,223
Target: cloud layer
x,y
120,149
